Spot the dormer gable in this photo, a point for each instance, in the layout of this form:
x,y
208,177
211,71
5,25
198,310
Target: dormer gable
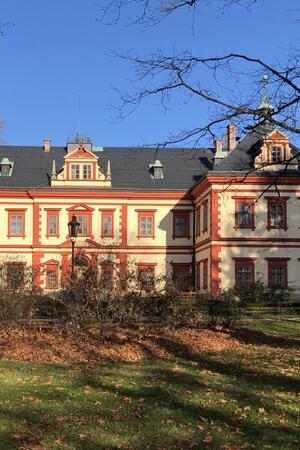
x,y
81,169
275,152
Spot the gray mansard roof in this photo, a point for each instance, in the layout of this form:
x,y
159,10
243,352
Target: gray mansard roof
x,y
182,168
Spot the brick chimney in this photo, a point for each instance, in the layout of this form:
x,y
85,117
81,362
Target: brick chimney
x,y
47,145
218,145
231,137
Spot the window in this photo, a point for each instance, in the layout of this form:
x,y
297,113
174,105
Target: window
x,y
244,213
84,225
5,170
16,222
197,276
146,277
181,224
87,171
75,171
277,272
277,213
146,223
198,221
276,154
52,275
205,216
15,275
205,274
52,222
107,275
244,271
182,277
107,229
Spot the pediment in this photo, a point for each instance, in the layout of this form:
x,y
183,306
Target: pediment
x,y
277,135
81,153
80,207
51,261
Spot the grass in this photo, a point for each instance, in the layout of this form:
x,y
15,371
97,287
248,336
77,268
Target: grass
x,y
238,399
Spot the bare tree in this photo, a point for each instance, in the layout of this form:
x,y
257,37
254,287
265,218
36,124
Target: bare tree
x,y
230,84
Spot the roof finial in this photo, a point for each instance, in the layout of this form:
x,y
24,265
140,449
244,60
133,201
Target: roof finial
x,y
265,104
108,172
53,173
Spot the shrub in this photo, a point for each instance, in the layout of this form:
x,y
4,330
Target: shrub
x,y
224,311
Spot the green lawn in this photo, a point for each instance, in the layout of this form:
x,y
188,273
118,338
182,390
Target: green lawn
x,y
238,399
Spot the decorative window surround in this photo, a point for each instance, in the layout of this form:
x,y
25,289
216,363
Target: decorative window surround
x,y
16,222
146,223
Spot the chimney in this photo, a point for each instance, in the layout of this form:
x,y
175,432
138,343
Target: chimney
x,y
218,145
231,137
47,145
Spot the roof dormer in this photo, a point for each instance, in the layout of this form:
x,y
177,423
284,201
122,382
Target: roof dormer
x,y
81,169
6,167
275,153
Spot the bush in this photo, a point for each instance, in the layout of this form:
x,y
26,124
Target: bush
x,y
224,311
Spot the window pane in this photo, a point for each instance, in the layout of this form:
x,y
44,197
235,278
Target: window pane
x,y
16,225
244,215
15,275
75,171
52,278
107,225
205,216
276,154
146,278
278,275
83,229
5,169
146,224
276,215
180,226
244,274
53,224
87,171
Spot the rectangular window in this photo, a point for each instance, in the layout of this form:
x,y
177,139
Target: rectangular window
x,y
84,225
5,169
182,277
277,213
16,222
87,171
107,276
276,154
244,213
52,276
244,271
198,221
197,276
52,222
205,216
146,224
277,272
15,275
181,224
205,274
75,171
146,277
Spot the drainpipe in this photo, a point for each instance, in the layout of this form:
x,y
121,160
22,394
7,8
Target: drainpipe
x,y
194,245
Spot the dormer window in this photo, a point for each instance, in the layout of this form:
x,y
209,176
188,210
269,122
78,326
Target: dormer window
x,y
75,171
276,154
156,170
6,167
87,171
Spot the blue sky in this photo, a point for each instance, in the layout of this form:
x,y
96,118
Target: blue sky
x,y
57,52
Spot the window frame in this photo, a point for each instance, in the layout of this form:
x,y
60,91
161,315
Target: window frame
x,y
18,212
204,206
277,201
145,267
277,160
107,213
198,276
13,265
273,262
180,268
239,262
51,267
91,171
77,165
146,213
186,214
54,213
249,201
198,221
204,273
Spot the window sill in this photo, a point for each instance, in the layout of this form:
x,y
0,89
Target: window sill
x,y
103,236
52,235
16,235
244,228
181,237
277,228
145,237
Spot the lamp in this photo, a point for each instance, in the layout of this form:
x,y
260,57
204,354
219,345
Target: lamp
x,y
73,227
